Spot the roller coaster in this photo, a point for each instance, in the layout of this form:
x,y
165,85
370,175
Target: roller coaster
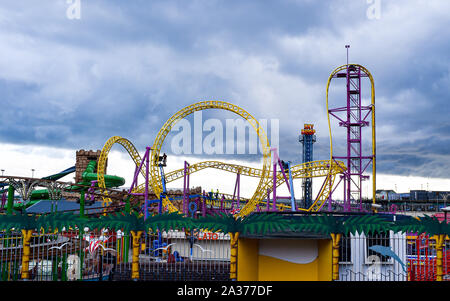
x,y
272,174
267,183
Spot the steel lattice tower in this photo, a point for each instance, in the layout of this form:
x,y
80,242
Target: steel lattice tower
x,y
353,117
307,138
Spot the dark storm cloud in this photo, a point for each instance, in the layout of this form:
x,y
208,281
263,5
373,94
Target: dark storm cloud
x,y
125,67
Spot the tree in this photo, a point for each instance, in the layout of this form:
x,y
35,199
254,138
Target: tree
x,y
336,226
251,224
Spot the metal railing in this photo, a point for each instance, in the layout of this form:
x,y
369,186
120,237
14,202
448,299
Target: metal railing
x,y
390,257
96,255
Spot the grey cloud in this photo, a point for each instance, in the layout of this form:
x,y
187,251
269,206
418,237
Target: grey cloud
x,y
124,69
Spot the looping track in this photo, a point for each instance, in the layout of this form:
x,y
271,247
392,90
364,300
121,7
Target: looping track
x,y
101,167
324,168
200,106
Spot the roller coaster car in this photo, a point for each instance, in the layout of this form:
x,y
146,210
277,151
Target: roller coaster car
x,y
162,160
285,165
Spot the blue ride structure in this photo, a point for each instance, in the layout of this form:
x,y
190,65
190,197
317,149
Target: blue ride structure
x,y
307,138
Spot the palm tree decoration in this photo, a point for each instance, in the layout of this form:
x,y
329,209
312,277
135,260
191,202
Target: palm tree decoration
x,y
336,226
252,224
432,227
56,221
28,223
136,225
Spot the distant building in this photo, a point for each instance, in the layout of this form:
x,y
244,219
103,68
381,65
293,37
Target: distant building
x,y
404,196
438,195
423,195
387,195
418,195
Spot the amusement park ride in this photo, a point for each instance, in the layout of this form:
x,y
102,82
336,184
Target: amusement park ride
x,y
352,117
349,167
351,170
150,179
307,139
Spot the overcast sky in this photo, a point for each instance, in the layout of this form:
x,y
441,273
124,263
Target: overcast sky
x,y
124,67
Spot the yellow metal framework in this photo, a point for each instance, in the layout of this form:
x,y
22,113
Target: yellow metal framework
x,y
200,106
323,168
101,165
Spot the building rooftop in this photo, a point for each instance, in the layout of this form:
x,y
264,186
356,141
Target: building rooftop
x,y
45,206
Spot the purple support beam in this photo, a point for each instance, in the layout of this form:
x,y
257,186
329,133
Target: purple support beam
x,y
237,187
284,175
147,161
91,190
203,206
221,203
274,201
277,160
274,190
136,174
135,179
331,193
204,201
186,188
238,182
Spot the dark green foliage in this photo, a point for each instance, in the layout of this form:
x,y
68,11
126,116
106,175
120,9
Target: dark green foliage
x,y
426,224
18,221
409,224
367,224
432,226
122,220
219,222
252,224
259,224
133,222
167,221
264,223
55,221
323,224
327,224
36,222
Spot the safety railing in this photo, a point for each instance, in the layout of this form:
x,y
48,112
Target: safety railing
x,y
390,257
105,255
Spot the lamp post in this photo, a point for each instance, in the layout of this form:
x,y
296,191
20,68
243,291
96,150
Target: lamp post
x,y
32,172
3,172
347,47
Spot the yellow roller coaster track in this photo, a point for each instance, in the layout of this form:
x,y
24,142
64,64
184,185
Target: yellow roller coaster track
x,y
101,165
200,106
312,169
306,170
